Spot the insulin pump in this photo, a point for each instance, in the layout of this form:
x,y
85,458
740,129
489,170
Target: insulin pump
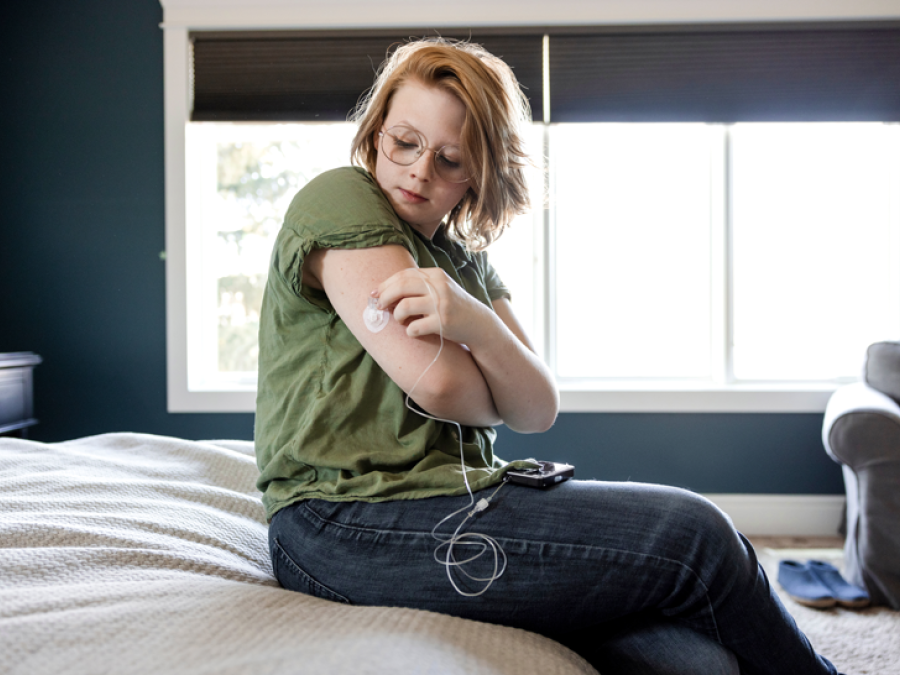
x,y
547,473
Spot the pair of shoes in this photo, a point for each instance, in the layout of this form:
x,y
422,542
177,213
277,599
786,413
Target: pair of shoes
x,y
818,584
845,593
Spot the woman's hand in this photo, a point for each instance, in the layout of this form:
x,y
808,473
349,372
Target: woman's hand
x,y
428,302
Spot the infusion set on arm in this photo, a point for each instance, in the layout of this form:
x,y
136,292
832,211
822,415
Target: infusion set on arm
x,y
374,318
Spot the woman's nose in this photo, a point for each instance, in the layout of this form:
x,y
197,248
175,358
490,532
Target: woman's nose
x,y
423,167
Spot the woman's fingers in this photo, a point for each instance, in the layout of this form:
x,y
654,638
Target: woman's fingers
x,y
411,307
408,283
425,325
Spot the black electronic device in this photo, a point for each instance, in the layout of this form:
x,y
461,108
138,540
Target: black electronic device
x,y
547,473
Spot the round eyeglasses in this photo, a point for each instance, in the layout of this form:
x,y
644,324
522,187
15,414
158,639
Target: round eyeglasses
x,y
404,145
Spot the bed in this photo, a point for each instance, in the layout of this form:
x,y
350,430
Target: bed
x,y
133,553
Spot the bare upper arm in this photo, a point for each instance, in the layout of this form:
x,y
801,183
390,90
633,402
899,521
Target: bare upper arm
x,y
348,276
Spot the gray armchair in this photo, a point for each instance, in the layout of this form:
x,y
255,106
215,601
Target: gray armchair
x,y
862,433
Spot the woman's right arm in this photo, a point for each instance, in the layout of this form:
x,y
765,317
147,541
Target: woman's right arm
x,y
453,388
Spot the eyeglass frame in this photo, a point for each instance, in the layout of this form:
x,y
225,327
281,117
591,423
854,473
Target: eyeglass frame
x,y
423,148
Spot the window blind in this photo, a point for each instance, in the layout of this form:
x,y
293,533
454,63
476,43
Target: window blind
x,y
279,76
716,73
726,74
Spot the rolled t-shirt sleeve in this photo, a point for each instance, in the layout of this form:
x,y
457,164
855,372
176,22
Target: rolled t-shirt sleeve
x,y
343,208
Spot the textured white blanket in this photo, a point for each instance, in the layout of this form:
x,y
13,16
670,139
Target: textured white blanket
x,y
130,553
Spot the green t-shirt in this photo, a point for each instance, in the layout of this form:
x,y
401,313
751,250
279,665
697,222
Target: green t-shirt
x,y
330,424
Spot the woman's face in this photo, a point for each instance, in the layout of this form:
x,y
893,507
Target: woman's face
x,y
417,193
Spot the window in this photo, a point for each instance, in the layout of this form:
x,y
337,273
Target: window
x,y
632,212
679,264
240,180
809,274
815,234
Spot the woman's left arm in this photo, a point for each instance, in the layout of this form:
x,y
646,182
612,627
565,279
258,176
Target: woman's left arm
x,y
523,389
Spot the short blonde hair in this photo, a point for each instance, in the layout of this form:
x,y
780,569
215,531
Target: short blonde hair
x,y
491,140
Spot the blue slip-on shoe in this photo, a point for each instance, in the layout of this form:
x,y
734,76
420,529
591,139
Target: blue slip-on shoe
x,y
846,594
803,585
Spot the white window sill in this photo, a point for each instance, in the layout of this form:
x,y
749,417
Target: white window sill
x,y
182,401
593,397
681,397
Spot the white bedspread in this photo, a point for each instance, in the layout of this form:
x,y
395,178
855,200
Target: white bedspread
x,y
130,553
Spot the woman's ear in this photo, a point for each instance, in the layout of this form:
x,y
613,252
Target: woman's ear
x,y
376,134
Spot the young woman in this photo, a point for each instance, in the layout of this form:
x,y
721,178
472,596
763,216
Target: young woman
x,y
384,325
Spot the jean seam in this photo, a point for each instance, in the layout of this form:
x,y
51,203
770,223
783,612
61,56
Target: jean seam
x,y
712,611
325,590
357,528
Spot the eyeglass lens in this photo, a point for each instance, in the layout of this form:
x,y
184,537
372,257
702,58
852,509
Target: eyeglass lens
x,y
404,146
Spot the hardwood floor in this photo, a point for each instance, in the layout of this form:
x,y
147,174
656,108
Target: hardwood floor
x,y
796,542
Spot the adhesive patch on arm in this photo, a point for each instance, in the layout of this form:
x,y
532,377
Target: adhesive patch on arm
x,y
374,318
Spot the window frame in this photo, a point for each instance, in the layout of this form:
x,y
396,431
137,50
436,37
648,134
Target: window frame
x,y
183,16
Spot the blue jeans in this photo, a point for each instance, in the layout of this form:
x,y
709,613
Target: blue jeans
x,y
636,578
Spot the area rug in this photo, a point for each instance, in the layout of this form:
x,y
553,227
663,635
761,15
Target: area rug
x,y
858,642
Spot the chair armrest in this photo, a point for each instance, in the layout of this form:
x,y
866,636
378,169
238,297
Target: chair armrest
x,y
861,425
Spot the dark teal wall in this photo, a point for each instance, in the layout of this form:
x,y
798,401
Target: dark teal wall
x,y
83,223
771,453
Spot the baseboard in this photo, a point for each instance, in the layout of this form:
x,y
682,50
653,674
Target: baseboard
x,y
783,515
